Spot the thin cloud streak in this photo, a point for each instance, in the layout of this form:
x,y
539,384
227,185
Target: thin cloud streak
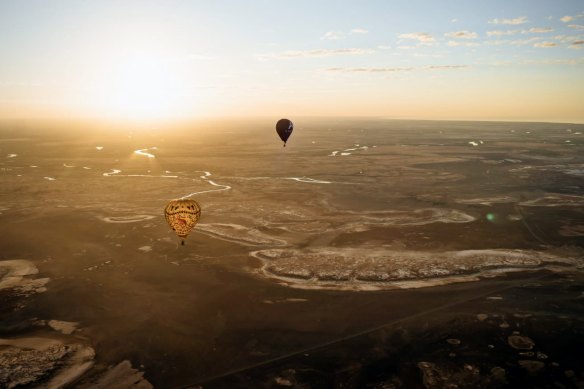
x,y
502,33
523,42
462,44
570,18
567,38
516,42
336,35
519,20
394,69
559,61
462,34
419,36
369,70
315,53
536,30
545,44
446,67
333,35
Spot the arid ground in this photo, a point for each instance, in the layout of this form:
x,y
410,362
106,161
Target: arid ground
x,y
366,254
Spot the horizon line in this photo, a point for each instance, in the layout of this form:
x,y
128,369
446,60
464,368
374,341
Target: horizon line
x,y
97,119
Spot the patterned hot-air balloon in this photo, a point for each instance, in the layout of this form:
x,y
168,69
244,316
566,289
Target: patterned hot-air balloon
x,y
284,129
182,215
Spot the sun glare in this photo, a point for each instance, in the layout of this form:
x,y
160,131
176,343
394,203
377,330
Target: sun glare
x,y
140,86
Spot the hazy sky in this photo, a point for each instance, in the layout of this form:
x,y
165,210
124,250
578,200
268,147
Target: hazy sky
x,y
471,59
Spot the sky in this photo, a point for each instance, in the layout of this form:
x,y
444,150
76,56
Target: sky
x,y
176,59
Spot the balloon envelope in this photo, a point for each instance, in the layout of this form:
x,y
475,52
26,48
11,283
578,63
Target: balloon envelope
x,y
284,128
182,215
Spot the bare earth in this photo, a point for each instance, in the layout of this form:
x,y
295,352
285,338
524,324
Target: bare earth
x,y
366,254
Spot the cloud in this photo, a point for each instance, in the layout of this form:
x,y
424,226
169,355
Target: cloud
x,y
419,36
395,69
559,61
465,44
567,38
545,44
426,55
446,67
519,20
523,42
315,53
369,70
569,18
576,26
498,42
501,33
462,34
333,35
573,41
516,42
535,30
547,61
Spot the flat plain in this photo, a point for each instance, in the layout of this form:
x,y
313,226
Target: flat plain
x,y
367,253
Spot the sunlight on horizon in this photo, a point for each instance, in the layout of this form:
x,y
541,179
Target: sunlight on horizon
x,y
139,86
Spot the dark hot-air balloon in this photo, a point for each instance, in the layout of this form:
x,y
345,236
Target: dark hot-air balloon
x,y
182,215
284,128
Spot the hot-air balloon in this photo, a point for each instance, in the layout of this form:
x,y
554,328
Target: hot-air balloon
x,y
182,215
284,128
